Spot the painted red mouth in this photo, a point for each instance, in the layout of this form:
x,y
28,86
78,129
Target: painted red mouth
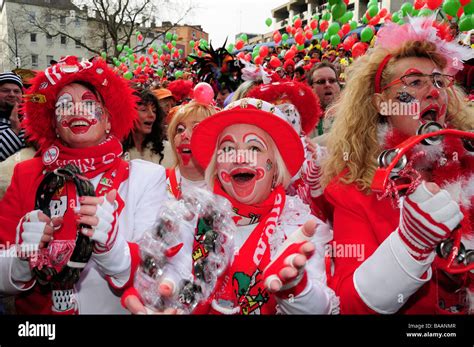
x,y
430,113
243,180
185,152
79,125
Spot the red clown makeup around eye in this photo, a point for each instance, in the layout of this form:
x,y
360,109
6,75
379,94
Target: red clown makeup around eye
x,y
412,71
89,96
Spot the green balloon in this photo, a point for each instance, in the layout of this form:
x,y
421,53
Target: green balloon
x,y
284,37
334,28
415,13
316,16
469,8
126,47
128,75
173,43
168,36
230,47
315,31
327,36
364,20
103,55
159,51
353,25
338,10
373,10
244,37
401,22
407,8
366,34
395,17
346,17
335,40
159,72
192,43
326,16
175,37
425,12
333,2
451,7
295,17
300,47
119,48
268,22
165,48
178,74
180,51
254,55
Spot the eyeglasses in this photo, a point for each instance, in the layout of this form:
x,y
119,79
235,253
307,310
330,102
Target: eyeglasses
x,y
323,81
418,82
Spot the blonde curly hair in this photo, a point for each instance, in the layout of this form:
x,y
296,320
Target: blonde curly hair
x,y
352,142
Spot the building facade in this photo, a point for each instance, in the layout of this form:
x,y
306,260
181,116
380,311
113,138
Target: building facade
x,y
23,43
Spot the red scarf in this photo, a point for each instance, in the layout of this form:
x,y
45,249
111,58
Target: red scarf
x,y
92,161
241,290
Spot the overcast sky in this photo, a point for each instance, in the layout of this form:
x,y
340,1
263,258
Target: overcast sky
x,y
222,18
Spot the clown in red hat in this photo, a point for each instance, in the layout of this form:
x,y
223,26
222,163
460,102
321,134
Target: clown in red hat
x,y
77,205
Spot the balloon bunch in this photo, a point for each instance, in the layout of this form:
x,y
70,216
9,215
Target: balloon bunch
x,y
187,251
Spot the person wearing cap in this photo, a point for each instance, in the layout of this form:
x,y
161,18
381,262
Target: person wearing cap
x,y
165,99
250,152
399,271
11,134
72,213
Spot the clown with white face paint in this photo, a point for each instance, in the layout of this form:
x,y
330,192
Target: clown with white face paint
x,y
78,208
250,152
302,110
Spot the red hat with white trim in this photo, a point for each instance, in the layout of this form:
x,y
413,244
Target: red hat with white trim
x,y
254,112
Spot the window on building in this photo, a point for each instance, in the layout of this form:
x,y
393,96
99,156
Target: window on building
x,y
77,22
33,37
62,20
34,60
49,39
63,40
48,59
48,18
78,43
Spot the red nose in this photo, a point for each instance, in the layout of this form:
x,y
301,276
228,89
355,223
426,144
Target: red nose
x,y
435,93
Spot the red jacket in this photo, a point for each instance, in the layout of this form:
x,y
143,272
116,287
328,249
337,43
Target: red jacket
x,y
364,221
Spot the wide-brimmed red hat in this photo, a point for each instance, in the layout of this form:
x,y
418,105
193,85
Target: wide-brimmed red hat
x,y
254,112
40,98
296,93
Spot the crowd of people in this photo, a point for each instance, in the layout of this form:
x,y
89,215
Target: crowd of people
x,y
329,218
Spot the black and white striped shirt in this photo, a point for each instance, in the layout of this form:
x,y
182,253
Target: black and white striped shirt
x,y
10,143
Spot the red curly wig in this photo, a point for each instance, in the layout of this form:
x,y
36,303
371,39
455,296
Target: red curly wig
x,y
40,99
297,93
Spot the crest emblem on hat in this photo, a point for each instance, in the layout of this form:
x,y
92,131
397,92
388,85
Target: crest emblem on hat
x,y
50,155
69,68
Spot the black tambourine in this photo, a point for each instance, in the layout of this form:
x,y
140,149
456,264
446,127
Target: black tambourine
x,y
82,252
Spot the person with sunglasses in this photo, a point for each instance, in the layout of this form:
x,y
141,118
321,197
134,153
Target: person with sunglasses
x,y
404,83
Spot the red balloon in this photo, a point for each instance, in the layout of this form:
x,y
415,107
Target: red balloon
x,y
418,4
275,62
277,37
313,24
241,55
299,38
340,33
258,60
383,12
288,29
306,27
169,45
367,15
239,44
162,57
150,50
289,54
460,12
348,43
464,2
374,21
142,59
263,51
346,28
324,43
346,2
388,17
434,4
298,23
294,48
248,57
323,26
359,49
308,34
293,31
